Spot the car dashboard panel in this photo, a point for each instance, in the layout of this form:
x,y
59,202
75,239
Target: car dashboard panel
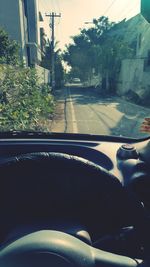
x,y
118,162
102,153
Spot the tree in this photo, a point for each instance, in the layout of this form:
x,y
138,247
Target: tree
x,y
102,48
59,70
96,34
24,104
80,56
46,63
110,55
9,49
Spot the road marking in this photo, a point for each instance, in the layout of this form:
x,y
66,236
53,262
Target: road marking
x,y
74,122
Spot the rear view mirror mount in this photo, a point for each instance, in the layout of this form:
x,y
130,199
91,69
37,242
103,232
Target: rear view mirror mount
x,y
145,9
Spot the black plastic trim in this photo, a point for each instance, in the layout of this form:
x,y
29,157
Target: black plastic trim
x,y
69,136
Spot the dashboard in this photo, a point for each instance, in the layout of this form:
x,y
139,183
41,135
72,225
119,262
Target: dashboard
x,y
119,156
126,159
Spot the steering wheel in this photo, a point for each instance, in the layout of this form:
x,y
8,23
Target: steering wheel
x,y
52,186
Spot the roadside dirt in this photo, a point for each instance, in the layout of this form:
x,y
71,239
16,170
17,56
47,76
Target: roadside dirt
x,y
58,120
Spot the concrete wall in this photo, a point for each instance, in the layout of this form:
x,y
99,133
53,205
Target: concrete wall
x,y
12,21
38,32
95,80
33,31
143,39
24,29
135,72
131,75
134,77
9,18
44,75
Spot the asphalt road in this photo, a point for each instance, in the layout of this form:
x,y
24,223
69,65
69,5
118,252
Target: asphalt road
x,y
85,111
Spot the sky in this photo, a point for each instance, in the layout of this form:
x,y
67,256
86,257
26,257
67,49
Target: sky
x,y
74,14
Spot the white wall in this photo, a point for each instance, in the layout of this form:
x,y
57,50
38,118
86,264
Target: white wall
x,y
23,32
133,75
9,18
143,44
12,21
44,75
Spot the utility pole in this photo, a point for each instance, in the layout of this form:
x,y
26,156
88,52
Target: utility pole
x,y
52,26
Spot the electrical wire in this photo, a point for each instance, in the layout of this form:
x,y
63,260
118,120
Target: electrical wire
x,y
60,31
134,7
57,26
124,8
58,5
53,5
43,4
125,14
109,7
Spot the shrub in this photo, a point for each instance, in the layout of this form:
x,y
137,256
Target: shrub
x,y
9,50
23,102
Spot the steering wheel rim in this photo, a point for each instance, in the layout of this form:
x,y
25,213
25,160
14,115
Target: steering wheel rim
x,y
81,181
53,248
86,188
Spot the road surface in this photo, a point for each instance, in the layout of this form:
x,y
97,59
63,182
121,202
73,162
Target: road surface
x,y
82,110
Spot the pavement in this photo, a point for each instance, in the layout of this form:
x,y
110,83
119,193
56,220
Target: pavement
x,y
82,110
58,122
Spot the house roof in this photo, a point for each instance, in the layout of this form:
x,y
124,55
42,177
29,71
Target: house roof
x,y
130,29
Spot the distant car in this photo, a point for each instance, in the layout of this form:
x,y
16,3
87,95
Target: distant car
x,y
76,80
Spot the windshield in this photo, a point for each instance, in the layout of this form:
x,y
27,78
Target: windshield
x,y
75,66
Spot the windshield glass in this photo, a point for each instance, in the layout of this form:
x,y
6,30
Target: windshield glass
x,y
75,66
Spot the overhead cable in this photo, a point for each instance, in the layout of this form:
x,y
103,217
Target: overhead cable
x,y
109,7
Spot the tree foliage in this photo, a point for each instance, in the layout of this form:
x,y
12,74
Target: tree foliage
x,y
23,102
100,48
80,56
47,60
9,49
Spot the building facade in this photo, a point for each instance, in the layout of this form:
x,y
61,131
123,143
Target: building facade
x,y
135,72
21,21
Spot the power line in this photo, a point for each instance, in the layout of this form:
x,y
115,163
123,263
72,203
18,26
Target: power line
x,y
109,7
123,9
53,5
58,4
52,16
124,13
46,6
59,30
43,4
133,8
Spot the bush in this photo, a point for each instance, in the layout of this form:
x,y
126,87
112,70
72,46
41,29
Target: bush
x,y
24,104
9,50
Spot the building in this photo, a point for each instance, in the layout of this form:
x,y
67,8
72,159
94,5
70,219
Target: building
x,y
135,72
21,21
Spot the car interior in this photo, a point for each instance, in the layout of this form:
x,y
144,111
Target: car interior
x,y
74,200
